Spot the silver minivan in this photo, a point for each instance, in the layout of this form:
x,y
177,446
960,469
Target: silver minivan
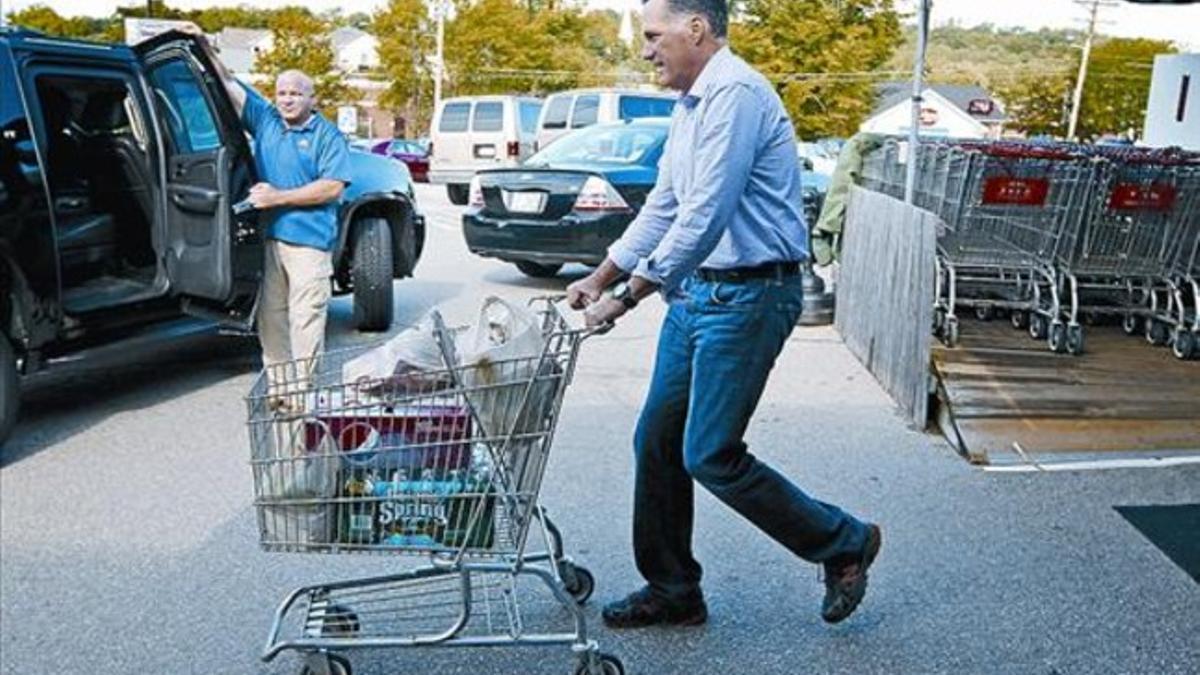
x,y
471,133
577,108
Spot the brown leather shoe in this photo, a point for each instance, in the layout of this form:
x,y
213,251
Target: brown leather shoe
x,y
641,608
846,584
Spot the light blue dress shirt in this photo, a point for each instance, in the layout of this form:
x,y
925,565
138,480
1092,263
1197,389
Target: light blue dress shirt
x,y
728,188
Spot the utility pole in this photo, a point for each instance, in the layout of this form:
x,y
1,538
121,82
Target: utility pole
x,y
1094,14
439,65
918,86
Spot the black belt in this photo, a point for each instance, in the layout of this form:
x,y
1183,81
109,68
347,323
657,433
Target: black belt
x,y
777,270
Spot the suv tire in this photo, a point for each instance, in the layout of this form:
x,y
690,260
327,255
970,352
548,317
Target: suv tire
x,y
10,389
371,274
458,194
537,270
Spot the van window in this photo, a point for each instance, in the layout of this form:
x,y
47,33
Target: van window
x,y
529,116
454,117
587,108
557,109
182,102
633,107
489,116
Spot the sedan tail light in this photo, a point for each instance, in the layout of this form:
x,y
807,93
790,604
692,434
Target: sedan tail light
x,y
598,194
475,200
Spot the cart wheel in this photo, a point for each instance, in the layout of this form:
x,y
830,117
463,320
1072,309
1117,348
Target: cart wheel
x,y
1184,344
1131,324
1157,332
1075,340
339,622
1038,326
609,665
951,332
577,580
1058,338
338,665
1019,319
984,313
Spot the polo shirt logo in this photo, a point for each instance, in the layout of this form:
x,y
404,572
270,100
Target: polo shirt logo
x,y
303,143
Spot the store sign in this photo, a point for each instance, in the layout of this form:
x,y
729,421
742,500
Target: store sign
x,y
1009,190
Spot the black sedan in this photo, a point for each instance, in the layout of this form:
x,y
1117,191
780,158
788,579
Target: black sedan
x,y
570,201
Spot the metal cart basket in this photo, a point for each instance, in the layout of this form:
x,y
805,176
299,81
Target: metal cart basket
x,y
441,463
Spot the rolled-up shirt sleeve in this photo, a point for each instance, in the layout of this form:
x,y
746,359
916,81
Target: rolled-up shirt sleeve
x,y
651,223
723,156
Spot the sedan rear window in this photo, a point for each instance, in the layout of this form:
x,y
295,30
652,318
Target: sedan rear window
x,y
604,145
454,117
633,107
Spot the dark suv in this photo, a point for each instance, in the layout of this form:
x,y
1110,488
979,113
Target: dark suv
x,y
119,170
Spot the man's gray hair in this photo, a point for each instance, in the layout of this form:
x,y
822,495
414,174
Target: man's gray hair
x,y
716,12
299,76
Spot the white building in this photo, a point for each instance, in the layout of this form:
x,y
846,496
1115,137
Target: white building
x,y
947,110
239,47
1173,110
354,50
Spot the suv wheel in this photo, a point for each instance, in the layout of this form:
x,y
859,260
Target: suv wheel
x,y
371,275
10,389
458,194
537,270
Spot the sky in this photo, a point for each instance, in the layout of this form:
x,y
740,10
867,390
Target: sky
x,y
1180,24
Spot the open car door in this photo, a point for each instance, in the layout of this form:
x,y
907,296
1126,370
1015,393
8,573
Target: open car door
x,y
212,257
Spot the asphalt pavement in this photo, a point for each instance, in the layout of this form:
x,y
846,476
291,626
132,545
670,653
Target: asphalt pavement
x,y
128,541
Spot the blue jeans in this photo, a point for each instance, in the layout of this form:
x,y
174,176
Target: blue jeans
x,y
715,352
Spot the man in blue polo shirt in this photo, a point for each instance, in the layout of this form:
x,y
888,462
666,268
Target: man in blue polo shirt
x,y
303,166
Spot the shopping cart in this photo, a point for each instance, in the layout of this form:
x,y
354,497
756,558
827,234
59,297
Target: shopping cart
x,y
442,463
1140,217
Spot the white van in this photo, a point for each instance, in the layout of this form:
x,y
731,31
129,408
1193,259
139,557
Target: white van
x,y
578,108
480,132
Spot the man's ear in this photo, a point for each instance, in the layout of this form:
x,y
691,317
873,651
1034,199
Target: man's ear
x,y
697,26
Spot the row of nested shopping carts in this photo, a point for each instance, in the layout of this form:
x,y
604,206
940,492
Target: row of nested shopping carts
x,y
444,463
1053,233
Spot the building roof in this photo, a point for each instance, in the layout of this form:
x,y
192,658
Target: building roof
x,y
345,35
971,99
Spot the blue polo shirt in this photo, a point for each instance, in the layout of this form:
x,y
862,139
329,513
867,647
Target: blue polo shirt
x,y
291,157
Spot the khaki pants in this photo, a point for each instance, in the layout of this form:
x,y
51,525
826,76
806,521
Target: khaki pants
x,y
291,313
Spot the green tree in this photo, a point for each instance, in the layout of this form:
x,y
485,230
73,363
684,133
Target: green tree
x,y
1037,104
300,41
819,54
216,19
509,46
1118,86
44,19
406,40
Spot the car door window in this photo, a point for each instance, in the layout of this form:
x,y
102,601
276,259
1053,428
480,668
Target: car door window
x,y
557,110
489,116
182,102
587,109
454,117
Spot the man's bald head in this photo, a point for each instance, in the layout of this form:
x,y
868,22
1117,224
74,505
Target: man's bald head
x,y
294,96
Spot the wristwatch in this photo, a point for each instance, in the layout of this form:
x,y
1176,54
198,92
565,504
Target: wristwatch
x,y
624,293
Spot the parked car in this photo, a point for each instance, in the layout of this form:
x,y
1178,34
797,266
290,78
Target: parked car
x,y
119,170
575,109
570,201
480,132
414,155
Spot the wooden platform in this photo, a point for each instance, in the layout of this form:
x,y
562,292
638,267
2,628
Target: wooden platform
x,y
1003,397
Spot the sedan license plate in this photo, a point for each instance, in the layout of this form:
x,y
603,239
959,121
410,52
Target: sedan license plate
x,y
524,202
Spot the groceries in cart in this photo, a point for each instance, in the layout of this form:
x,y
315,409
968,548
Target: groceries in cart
x,y
431,444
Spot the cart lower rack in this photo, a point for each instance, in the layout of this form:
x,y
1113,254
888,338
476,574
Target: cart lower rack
x,y
444,463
